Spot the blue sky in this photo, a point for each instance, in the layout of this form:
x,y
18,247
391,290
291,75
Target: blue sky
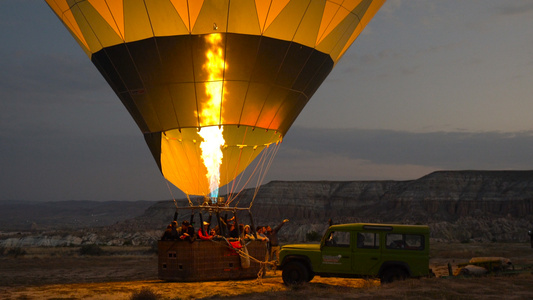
x,y
429,85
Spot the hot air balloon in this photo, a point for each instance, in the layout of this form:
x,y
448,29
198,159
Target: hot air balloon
x,y
213,83
214,86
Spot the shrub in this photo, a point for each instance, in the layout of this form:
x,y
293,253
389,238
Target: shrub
x,y
15,252
91,249
145,294
312,236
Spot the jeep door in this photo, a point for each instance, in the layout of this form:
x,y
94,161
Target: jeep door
x,y
412,249
336,253
367,254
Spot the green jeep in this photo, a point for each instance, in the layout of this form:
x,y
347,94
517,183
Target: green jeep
x,y
386,251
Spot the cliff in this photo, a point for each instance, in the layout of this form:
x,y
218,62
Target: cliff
x,y
458,205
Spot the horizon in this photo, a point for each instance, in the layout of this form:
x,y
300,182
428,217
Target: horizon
x,y
184,198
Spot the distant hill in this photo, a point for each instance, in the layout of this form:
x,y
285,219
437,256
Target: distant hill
x,y
460,206
25,215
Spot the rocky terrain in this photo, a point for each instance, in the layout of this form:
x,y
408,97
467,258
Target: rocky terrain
x,y
69,223
67,215
459,206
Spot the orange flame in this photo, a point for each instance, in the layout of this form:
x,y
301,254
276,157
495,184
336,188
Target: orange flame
x,y
211,113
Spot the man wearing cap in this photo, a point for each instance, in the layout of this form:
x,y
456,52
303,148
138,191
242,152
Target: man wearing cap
x,y
203,233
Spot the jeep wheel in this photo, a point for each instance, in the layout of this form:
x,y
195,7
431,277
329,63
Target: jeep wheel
x,y
311,276
295,272
393,274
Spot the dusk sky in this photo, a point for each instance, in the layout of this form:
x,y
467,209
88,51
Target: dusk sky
x,y
429,85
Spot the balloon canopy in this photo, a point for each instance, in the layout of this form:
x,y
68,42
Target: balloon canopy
x,y
234,73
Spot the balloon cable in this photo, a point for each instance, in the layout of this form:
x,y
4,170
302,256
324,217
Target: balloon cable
x,y
172,195
250,158
264,171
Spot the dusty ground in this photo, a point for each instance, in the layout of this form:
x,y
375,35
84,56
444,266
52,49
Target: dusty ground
x,y
60,273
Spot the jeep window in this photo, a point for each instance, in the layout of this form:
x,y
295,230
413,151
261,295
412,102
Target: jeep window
x,y
405,241
368,240
338,239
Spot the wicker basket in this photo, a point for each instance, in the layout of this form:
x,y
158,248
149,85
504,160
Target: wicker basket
x,y
207,260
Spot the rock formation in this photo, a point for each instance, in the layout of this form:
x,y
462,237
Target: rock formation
x,y
459,206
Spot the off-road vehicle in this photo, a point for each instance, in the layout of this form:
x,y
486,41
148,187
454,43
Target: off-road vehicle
x,y
385,251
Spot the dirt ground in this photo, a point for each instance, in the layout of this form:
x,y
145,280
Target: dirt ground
x,y
61,273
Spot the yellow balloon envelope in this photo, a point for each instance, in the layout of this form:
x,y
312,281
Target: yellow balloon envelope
x,y
244,68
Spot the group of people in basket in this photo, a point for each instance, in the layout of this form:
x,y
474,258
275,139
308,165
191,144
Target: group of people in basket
x,y
186,232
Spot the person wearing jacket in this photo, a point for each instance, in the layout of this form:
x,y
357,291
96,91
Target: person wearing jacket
x,y
272,235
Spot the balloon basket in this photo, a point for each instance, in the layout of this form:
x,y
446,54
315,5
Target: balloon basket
x,y
211,260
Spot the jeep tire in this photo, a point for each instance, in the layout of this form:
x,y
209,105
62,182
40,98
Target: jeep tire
x,y
295,272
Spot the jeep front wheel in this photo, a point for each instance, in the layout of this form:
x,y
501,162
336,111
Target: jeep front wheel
x,y
295,272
